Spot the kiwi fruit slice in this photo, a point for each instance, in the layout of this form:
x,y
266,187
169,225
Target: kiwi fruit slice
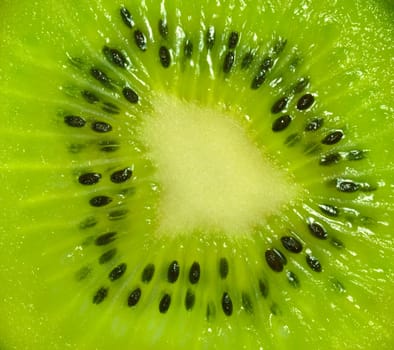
x,y
196,174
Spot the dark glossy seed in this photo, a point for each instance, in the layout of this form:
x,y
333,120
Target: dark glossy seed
x,y
233,40
188,49
279,105
89,222
263,286
281,123
117,214
100,201
227,304
329,159
247,303
337,243
100,76
74,121
165,56
122,175
223,268
100,295
89,96
148,273
82,273
258,80
194,273
130,95
134,297
313,263
267,64
165,303
317,230
247,60
140,40
115,57
355,155
333,138
329,210
105,238
301,85
210,38
107,256
126,17
275,259
293,279
314,124
190,299
89,178
228,61
279,46
163,28
117,272
305,102
347,186
292,244
173,272
101,127
110,108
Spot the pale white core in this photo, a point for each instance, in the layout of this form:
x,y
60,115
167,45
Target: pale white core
x,y
211,176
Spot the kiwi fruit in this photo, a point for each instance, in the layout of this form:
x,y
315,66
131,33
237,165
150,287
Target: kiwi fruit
x,y
197,174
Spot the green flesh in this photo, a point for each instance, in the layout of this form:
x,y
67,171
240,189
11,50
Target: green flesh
x,y
50,268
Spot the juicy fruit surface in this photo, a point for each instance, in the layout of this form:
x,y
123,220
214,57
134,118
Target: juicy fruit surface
x,y
71,270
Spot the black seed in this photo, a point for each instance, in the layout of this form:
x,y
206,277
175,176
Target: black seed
x,y
190,299
140,40
148,273
228,62
263,288
314,124
74,121
134,297
188,49
267,64
110,108
90,221
101,127
105,238
89,96
292,139
99,75
347,186
115,57
279,105
223,268
165,57
281,123
247,303
173,272
117,272
194,274
100,295
163,28
333,138
305,102
336,243
126,17
165,303
293,279
89,178
329,159
355,155
130,95
275,259
329,210
233,40
117,214
210,37
317,230
313,263
258,80
247,60
227,304
300,85
120,176
82,273
100,201
292,244
107,256
108,146
279,46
